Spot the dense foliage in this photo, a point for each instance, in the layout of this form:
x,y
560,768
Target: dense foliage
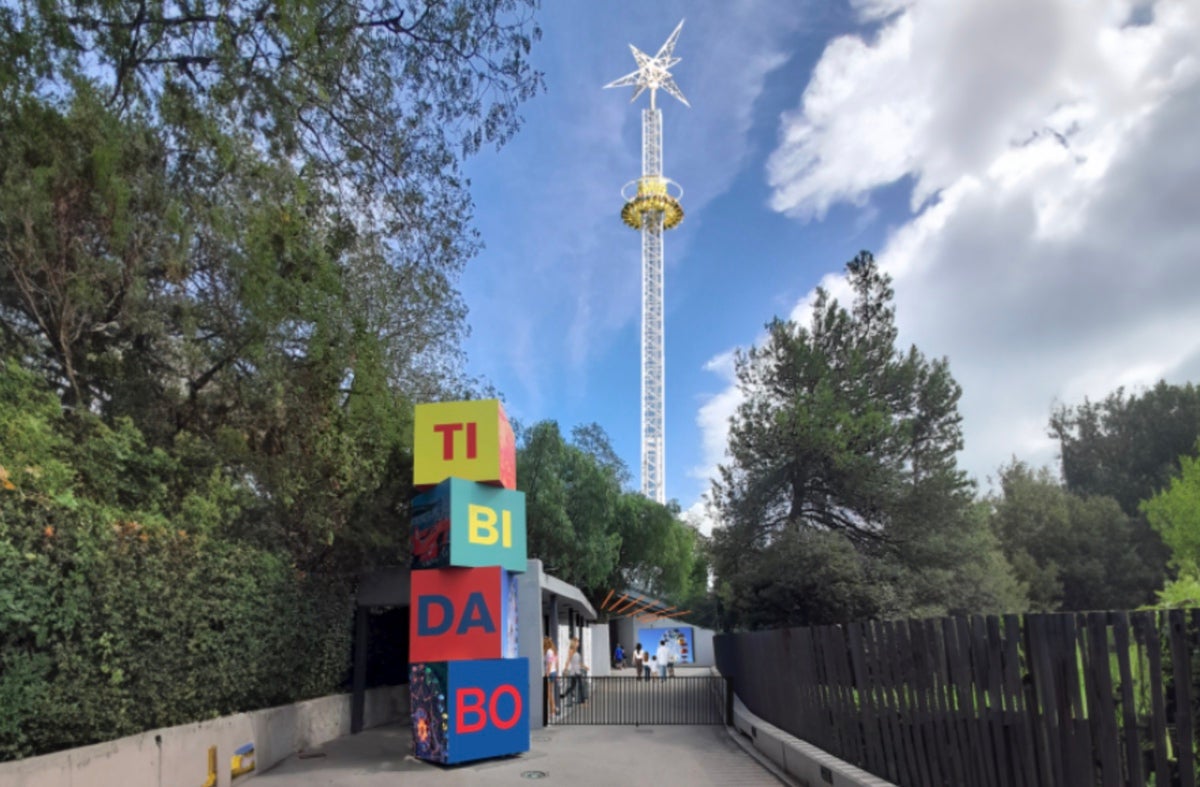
x,y
590,531
1174,513
121,609
240,228
1101,537
842,498
1071,552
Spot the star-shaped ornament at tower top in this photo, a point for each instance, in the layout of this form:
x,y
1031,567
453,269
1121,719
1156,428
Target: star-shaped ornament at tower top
x,y
653,72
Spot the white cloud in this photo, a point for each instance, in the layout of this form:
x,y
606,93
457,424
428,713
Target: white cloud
x,y
1052,249
701,517
713,417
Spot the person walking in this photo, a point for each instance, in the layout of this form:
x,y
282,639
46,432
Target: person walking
x,y
577,670
638,655
550,660
619,656
663,657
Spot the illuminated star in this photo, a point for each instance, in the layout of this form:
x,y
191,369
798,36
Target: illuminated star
x,y
653,72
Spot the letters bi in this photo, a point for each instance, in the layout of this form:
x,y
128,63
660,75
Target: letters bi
x,y
475,615
481,526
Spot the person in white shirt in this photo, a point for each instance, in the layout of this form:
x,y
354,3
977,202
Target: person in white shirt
x,y
662,656
551,668
577,669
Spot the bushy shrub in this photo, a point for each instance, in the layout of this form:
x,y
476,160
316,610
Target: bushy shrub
x,y
115,615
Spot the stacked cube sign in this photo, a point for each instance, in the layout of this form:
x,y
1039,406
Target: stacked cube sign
x,y
469,691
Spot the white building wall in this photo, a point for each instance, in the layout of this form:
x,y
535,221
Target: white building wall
x,y
601,651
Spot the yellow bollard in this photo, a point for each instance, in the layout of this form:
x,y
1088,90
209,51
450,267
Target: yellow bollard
x,y
238,764
212,767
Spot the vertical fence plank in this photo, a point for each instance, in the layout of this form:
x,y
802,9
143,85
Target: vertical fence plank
x,y
982,771
918,715
832,692
1182,685
956,674
925,658
851,732
1133,749
881,688
1148,636
953,751
821,719
1080,737
1102,709
1045,699
902,704
868,713
992,651
1021,737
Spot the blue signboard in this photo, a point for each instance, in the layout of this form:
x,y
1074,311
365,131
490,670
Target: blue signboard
x,y
678,639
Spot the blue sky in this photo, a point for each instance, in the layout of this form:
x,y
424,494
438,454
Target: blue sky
x,y
1024,169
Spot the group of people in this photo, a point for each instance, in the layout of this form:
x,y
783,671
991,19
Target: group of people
x,y
575,669
662,662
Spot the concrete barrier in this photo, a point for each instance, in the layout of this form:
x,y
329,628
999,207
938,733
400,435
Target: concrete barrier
x,y
804,762
179,756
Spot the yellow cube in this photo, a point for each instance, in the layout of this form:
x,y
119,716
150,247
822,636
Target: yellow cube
x,y
469,440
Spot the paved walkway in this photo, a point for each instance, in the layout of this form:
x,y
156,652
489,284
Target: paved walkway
x,y
577,756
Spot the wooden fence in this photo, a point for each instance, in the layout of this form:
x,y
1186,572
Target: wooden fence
x,y
1064,700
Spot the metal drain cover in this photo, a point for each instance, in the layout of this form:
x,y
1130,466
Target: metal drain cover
x,y
534,774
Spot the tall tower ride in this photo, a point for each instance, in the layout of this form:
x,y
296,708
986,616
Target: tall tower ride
x,y
651,206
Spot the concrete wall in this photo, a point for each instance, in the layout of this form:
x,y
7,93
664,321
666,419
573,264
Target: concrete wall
x,y
179,755
529,636
702,639
600,656
810,766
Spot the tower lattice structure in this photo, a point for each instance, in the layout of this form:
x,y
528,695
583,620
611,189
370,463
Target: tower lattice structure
x,y
652,206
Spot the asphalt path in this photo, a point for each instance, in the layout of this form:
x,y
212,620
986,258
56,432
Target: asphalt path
x,y
626,756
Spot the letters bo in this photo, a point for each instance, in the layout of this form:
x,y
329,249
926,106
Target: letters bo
x,y
460,613
468,710
462,523
469,440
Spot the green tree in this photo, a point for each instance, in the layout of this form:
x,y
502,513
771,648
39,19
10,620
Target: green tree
x,y
570,501
1072,552
241,227
656,550
842,433
586,529
1174,513
378,97
1127,447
